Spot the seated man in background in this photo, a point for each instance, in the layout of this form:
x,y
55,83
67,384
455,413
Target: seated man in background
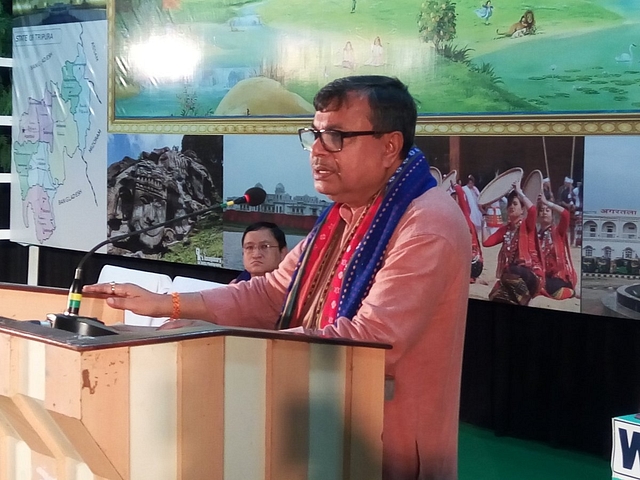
x,y
389,261
264,245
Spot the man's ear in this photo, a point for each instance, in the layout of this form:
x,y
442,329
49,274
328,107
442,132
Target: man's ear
x,y
393,144
283,253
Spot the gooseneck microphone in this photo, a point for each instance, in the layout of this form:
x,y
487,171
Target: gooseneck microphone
x,y
254,196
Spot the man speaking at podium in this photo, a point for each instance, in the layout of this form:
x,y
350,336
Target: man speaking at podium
x,y
388,261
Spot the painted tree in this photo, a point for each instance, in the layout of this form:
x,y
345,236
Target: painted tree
x,y
437,22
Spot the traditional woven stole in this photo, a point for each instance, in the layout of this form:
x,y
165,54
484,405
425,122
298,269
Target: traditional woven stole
x,y
363,257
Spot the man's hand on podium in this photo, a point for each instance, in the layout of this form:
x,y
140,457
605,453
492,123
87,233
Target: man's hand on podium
x,y
126,296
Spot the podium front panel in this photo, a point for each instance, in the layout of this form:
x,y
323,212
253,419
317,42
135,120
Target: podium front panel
x,y
198,404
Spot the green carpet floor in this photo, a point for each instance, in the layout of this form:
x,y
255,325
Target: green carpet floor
x,y
484,456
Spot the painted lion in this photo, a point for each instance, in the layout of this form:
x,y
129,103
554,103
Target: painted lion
x,y
525,26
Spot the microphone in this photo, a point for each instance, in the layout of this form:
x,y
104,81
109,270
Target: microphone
x,y
254,196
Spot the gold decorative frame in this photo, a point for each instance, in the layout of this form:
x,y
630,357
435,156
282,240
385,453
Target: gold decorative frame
x,y
532,125
496,125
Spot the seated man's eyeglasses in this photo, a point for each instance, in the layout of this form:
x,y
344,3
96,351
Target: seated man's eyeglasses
x,y
262,248
331,139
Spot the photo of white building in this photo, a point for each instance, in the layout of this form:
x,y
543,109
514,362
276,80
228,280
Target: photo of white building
x,y
611,221
611,233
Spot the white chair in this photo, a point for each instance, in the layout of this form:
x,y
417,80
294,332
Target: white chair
x,y
154,282
186,284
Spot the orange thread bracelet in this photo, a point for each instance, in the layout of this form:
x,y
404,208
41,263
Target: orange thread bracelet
x,y
175,300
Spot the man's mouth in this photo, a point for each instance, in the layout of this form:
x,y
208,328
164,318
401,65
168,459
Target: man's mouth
x,y
320,172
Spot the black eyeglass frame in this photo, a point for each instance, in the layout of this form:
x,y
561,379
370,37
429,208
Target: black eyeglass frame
x,y
342,135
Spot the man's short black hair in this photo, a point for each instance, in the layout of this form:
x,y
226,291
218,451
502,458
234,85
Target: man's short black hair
x,y
275,230
392,106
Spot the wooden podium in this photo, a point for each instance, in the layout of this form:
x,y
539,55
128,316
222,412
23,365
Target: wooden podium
x,y
208,403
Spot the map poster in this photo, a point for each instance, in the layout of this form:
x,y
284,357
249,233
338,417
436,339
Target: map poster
x,y
59,135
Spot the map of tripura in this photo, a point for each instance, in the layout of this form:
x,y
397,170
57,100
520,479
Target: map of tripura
x,y
59,133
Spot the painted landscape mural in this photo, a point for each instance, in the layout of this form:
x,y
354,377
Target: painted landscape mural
x,y
233,58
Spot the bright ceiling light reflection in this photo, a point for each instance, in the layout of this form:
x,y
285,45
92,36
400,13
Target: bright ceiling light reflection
x,y
166,57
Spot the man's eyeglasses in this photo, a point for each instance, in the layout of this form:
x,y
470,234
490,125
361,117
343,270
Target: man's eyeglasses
x,y
262,248
331,139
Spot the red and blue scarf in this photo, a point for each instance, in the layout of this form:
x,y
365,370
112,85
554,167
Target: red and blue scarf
x,y
364,255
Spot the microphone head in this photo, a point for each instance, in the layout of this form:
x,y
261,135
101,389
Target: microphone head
x,y
255,196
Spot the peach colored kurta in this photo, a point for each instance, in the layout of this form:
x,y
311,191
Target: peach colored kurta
x,y
418,304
